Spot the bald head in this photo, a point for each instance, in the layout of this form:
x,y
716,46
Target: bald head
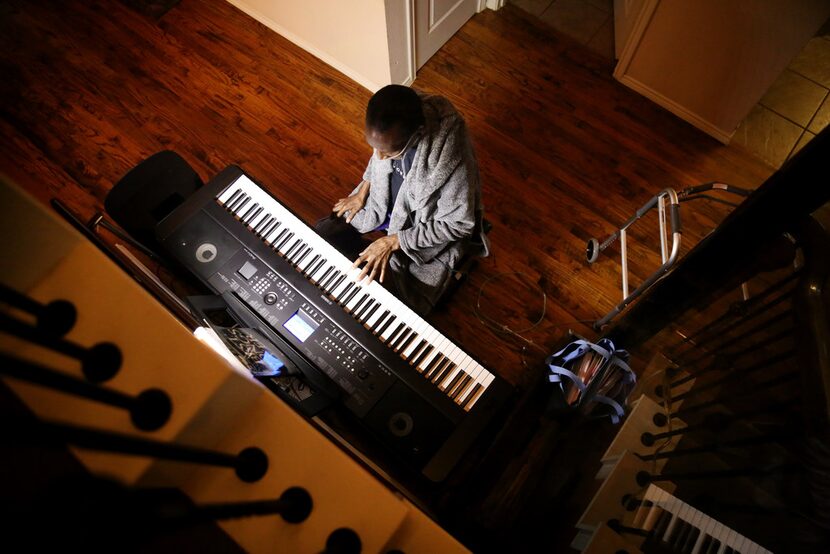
x,y
394,112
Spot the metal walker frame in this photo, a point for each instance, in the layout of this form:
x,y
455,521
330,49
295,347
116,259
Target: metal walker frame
x,y
666,199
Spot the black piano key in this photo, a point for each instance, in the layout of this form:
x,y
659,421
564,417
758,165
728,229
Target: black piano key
x,y
459,376
337,282
369,308
436,362
397,329
233,197
251,218
393,340
279,237
462,390
325,283
360,312
371,312
360,302
442,374
296,254
295,244
263,224
393,344
466,385
422,356
320,265
238,203
438,368
302,256
715,548
691,540
678,536
285,241
311,265
325,274
351,295
415,351
470,397
729,550
272,229
344,293
244,202
663,520
300,249
443,361
674,532
382,326
379,321
406,342
251,209
455,390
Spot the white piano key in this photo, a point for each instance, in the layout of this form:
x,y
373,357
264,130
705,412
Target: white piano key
x,y
391,328
450,376
324,268
379,313
338,290
484,384
355,300
477,379
461,372
226,194
697,521
416,341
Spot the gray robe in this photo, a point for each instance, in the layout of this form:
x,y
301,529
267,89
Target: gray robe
x,y
437,214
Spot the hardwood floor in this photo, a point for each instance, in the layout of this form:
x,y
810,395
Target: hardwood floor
x,y
566,153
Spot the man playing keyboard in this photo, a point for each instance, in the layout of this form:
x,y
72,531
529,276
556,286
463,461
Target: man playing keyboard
x,y
421,188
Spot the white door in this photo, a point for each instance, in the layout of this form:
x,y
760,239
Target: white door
x,y
436,21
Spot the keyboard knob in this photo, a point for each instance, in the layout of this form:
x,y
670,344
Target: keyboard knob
x,y
270,298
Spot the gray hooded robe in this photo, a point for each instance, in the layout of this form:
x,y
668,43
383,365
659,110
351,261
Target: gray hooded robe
x,y
437,214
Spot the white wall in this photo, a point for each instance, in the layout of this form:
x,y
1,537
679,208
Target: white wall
x,y
349,35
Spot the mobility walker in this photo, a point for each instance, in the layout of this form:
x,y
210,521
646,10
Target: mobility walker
x,y
667,199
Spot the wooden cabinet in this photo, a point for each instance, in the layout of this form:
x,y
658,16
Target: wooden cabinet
x,y
708,61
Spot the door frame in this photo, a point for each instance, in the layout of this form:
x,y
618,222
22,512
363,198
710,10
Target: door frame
x,y
403,22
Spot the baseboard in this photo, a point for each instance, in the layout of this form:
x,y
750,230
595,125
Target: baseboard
x,y
677,109
307,46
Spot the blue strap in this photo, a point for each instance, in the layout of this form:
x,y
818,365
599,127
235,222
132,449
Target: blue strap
x,y
618,410
614,358
557,372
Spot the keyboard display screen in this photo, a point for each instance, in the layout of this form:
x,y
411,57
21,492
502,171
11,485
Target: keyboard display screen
x,y
300,325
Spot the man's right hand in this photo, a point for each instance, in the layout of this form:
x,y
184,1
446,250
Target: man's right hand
x,y
348,206
352,204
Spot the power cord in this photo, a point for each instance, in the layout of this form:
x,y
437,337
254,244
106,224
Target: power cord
x,y
500,328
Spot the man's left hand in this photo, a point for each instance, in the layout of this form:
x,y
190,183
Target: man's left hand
x,y
376,257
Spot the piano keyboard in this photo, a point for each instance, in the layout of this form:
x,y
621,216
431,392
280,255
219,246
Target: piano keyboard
x,y
429,352
413,388
679,527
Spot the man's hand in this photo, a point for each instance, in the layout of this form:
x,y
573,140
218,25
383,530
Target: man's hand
x,y
376,257
353,203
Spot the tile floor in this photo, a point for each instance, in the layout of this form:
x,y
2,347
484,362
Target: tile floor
x,y
591,22
794,109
